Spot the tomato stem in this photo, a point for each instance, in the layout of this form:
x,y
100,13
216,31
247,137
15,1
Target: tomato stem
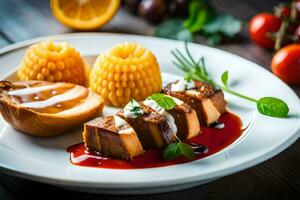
x,y
293,15
280,34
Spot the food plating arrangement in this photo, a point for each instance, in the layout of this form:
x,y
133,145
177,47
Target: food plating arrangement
x,y
156,125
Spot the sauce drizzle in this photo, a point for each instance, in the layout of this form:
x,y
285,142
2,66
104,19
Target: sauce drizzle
x,y
51,98
213,139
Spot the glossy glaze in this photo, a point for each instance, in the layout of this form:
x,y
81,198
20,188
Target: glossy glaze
x,y
212,138
50,97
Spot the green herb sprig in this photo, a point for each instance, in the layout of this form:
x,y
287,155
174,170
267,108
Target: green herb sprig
x,y
135,108
196,70
178,149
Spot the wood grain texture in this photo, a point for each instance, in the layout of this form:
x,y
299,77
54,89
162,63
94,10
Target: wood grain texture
x,y
277,178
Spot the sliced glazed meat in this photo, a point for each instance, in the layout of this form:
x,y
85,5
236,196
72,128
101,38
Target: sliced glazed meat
x,y
206,100
151,127
112,136
186,120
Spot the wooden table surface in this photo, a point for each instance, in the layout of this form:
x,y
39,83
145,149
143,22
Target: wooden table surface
x,y
277,178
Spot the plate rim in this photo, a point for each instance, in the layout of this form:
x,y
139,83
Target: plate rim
x,y
222,172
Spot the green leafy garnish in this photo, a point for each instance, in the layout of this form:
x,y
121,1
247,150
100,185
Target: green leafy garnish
x,y
173,29
224,78
175,150
194,70
163,101
136,111
273,107
134,107
178,149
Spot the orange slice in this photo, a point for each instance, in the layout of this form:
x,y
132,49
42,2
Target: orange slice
x,y
84,14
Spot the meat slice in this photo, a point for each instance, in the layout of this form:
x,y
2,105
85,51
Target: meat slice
x,y
151,127
186,120
208,101
112,136
182,119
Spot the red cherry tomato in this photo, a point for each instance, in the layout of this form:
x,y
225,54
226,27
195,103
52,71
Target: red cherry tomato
x,y
259,27
286,64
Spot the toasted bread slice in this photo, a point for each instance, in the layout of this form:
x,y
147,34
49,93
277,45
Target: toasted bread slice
x,y
112,136
43,108
151,127
207,101
186,120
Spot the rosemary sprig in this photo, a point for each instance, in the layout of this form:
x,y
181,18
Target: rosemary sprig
x,y
196,70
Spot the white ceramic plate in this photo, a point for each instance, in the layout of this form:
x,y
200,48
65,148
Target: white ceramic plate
x,y
45,160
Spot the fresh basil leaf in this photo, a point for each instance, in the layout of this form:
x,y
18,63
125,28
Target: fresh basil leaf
x,y
172,151
175,150
273,107
173,29
225,24
224,78
186,150
200,13
163,101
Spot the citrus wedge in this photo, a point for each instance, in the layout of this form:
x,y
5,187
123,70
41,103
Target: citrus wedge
x,y
84,14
